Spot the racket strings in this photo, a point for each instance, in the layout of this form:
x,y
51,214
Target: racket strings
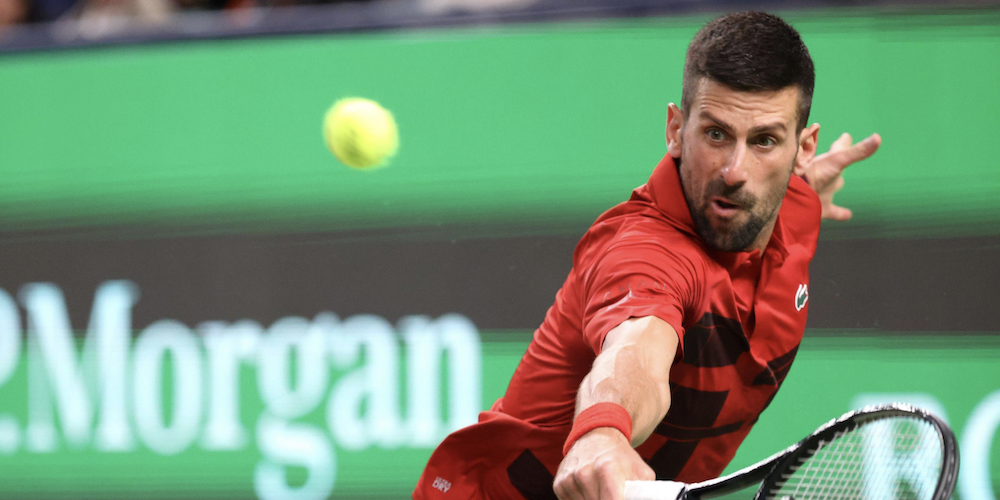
x,y
889,459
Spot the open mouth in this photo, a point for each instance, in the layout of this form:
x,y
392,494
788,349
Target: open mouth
x,y
724,207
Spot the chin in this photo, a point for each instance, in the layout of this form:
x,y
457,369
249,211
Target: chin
x,y
724,246
726,228
729,238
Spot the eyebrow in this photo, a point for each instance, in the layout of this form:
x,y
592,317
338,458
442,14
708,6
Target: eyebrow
x,y
756,130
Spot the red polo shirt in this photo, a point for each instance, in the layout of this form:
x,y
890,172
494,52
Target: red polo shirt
x,y
739,317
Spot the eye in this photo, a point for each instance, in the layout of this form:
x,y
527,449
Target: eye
x,y
766,141
716,134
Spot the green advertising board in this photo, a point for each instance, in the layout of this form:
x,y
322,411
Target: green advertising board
x,y
503,129
352,407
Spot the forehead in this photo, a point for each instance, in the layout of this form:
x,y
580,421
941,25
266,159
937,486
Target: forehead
x,y
745,109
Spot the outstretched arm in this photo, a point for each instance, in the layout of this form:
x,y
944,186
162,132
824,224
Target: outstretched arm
x,y
633,370
825,172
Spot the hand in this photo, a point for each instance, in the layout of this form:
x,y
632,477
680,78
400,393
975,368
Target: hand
x,y
824,173
597,467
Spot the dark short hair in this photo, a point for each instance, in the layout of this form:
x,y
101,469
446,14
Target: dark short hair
x,y
750,51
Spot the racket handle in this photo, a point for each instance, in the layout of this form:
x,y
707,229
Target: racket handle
x,y
654,490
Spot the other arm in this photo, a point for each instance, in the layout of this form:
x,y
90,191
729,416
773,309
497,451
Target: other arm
x,y
824,173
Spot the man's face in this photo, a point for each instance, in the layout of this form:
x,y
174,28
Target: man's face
x,y
737,153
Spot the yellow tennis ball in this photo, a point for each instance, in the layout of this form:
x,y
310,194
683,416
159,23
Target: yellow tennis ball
x,y
360,133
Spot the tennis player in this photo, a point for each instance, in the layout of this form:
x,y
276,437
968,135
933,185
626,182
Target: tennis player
x,y
685,305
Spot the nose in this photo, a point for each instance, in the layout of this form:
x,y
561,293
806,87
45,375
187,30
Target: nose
x,y
735,172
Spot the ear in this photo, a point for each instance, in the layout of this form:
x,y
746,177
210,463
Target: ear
x,y
675,123
808,140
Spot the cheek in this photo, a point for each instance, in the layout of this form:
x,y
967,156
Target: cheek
x,y
699,149
767,179
775,181
692,181
776,168
706,161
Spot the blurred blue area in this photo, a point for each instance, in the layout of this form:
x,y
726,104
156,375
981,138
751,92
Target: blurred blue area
x,y
46,24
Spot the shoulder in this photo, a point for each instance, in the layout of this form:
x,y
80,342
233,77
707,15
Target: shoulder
x,y
656,241
638,224
644,246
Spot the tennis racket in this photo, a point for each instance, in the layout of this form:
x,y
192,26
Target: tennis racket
x,y
885,452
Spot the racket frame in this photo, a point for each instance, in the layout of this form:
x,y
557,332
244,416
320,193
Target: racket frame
x,y
770,469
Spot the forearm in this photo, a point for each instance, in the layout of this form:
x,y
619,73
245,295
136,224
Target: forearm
x,y
633,371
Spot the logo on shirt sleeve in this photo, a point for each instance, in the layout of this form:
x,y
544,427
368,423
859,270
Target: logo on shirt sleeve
x,y
441,484
801,297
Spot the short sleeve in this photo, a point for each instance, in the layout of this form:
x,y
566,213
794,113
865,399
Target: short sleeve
x,y
633,281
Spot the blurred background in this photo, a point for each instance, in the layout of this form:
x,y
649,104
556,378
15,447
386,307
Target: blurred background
x,y
198,301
